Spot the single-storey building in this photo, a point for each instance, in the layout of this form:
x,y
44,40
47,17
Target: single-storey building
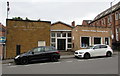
x,y
23,35
84,36
61,36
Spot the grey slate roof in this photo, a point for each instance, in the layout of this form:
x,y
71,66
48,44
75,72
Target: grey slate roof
x,y
108,11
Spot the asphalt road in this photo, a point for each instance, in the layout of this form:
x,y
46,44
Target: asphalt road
x,y
103,65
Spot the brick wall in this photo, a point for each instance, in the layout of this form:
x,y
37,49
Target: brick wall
x,y
79,31
27,34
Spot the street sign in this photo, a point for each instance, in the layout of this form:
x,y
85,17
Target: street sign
x,y
2,39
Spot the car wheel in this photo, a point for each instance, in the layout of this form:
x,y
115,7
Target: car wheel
x,y
54,59
24,61
108,54
87,56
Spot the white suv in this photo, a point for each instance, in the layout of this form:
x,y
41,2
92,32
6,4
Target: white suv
x,y
96,50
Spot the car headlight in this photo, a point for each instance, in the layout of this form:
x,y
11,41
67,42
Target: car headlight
x,y
81,52
17,56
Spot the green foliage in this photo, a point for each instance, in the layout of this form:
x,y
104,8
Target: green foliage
x,y
27,18
17,18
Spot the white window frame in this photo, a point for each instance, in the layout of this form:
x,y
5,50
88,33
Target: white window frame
x,y
108,39
117,32
116,16
42,41
81,41
97,37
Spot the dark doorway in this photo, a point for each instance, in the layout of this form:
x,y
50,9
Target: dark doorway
x,y
61,44
18,49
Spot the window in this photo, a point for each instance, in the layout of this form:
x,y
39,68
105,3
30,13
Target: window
x,y
41,43
102,22
53,40
117,34
109,18
97,47
69,45
53,44
105,21
119,15
103,46
50,49
37,50
52,34
85,42
69,34
59,34
107,41
116,16
63,34
97,40
69,40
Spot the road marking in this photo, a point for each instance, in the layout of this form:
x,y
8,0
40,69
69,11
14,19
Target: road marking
x,y
12,66
80,60
26,65
43,63
69,61
56,62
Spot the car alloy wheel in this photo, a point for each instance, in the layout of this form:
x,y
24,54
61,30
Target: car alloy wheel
x,y
87,56
54,59
108,54
24,61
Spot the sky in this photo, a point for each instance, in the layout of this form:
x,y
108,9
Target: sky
x,y
54,10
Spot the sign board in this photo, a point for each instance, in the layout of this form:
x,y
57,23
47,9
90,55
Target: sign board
x,y
94,31
2,39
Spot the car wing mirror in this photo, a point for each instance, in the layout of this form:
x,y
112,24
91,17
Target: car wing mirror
x,y
32,52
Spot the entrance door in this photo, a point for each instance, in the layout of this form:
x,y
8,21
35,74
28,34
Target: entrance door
x,y
18,47
61,44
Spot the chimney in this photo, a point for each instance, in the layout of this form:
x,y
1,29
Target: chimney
x,y
73,23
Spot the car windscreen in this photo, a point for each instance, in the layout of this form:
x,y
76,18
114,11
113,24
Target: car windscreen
x,y
50,49
89,47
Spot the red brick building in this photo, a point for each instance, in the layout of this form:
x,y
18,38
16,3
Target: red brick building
x,y
109,18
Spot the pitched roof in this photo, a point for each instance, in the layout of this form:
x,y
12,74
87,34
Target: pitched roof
x,y
59,22
108,11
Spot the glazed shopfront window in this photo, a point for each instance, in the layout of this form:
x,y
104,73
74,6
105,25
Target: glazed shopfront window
x,y
85,42
52,34
107,41
97,40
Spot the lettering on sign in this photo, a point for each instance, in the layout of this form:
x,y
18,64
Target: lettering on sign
x,y
94,31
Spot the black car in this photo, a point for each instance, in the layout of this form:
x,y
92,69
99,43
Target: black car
x,y
38,54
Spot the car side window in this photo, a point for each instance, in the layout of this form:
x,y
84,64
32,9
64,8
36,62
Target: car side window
x,y
40,49
97,47
50,49
103,46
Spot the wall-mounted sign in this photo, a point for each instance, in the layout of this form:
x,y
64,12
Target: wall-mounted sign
x,y
94,31
2,39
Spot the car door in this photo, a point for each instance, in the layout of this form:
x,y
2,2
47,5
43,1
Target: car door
x,y
103,49
48,52
37,54
96,51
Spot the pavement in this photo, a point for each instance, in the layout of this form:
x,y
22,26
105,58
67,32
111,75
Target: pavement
x,y
62,57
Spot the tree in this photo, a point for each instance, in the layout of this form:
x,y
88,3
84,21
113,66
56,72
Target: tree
x,y
17,18
27,18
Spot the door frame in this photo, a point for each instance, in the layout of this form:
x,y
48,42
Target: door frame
x,y
61,39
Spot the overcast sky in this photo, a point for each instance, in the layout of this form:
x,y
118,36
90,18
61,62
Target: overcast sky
x,y
54,10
